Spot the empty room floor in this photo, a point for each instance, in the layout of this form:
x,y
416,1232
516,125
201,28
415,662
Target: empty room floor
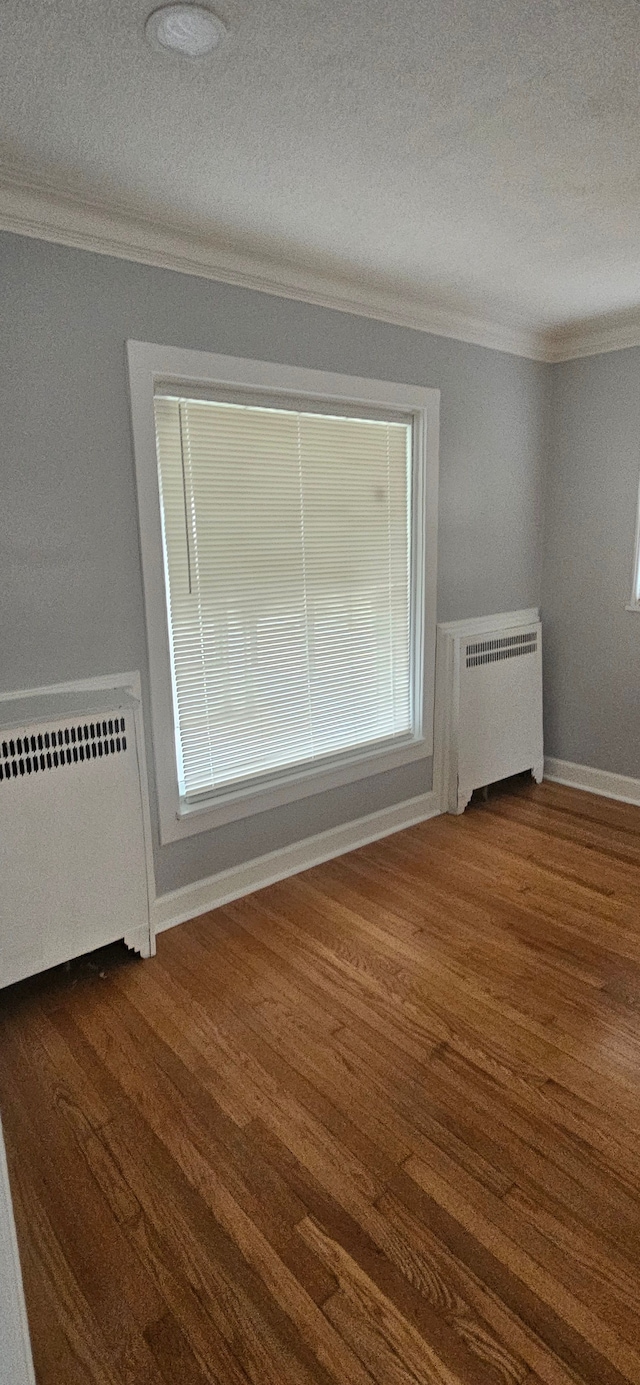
x,y
379,1122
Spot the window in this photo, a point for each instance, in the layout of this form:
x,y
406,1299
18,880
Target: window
x,y
634,603
288,573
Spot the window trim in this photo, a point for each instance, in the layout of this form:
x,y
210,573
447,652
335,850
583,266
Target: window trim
x,y
634,603
149,364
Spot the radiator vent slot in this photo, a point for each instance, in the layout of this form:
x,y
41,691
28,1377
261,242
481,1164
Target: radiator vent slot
x,y
508,647
44,750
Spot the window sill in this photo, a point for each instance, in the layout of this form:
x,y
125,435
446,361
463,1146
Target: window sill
x,y
633,606
207,814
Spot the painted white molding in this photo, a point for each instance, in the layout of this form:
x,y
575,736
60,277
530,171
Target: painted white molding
x,y
594,338
600,781
634,601
43,214
204,895
149,363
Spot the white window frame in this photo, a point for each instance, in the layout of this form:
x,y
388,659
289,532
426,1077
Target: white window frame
x,y
149,364
634,603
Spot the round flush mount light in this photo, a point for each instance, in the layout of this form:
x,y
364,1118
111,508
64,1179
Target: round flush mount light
x,y
191,30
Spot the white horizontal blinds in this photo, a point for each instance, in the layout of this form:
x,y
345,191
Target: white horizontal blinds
x,y
354,511
288,563
239,639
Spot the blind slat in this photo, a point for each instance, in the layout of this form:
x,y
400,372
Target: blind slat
x,y
287,557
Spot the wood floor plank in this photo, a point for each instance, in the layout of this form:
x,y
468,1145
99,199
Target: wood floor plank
x,y
546,1324
173,1353
454,1012
378,1124
396,1331
224,1305
402,1272
495,1237
489,1326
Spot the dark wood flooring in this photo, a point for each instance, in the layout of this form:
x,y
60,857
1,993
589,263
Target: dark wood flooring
x,y
379,1122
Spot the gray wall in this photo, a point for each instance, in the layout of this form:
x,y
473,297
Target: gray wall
x,y
592,645
70,577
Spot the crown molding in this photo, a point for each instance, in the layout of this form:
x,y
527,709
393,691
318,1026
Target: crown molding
x,y
43,214
595,337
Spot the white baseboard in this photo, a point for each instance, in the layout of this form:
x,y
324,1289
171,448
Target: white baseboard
x,y
601,781
203,895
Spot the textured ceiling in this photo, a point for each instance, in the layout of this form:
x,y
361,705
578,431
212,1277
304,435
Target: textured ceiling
x,y
482,155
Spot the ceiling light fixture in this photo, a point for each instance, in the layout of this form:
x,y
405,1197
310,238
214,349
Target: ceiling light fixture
x,y
191,30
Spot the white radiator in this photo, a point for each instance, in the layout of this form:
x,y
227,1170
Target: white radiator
x,y
489,703
73,854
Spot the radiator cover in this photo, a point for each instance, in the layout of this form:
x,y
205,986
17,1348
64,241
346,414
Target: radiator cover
x,y
489,703
73,861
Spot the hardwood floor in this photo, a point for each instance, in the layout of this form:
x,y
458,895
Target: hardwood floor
x,y
379,1122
